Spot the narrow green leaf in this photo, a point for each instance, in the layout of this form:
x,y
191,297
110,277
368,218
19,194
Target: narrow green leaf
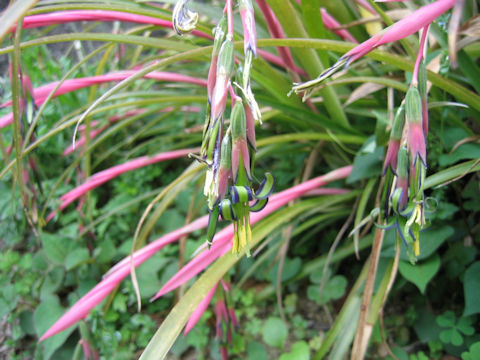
x,y
156,43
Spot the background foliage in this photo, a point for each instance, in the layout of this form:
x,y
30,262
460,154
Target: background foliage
x,y
299,294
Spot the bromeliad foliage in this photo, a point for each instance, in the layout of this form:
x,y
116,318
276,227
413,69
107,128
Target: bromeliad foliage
x,y
139,101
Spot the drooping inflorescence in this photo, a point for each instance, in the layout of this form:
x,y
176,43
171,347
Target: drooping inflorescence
x,y
405,165
229,152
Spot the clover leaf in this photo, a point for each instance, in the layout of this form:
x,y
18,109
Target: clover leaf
x,y
473,353
455,329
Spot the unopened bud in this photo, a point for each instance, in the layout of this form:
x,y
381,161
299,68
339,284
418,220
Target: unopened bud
x,y
222,79
226,156
402,167
422,80
219,31
398,124
240,155
249,30
225,59
413,106
238,121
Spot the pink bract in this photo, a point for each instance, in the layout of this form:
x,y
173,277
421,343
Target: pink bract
x,y
41,93
62,17
198,313
106,175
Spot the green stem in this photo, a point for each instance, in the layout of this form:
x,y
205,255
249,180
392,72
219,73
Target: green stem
x,y
348,139
17,111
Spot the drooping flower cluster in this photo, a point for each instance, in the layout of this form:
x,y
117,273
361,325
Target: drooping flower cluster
x,y
229,153
405,162
405,169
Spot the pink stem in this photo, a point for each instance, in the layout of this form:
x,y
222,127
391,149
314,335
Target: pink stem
x,y
331,23
62,17
42,93
229,10
199,311
102,177
420,55
276,31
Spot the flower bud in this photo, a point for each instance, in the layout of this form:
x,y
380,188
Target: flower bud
x,y
212,158
423,89
250,124
222,80
416,137
394,142
249,30
225,170
400,195
413,105
240,152
219,32
226,157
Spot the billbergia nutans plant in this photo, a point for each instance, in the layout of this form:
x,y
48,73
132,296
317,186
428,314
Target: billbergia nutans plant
x,y
239,179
